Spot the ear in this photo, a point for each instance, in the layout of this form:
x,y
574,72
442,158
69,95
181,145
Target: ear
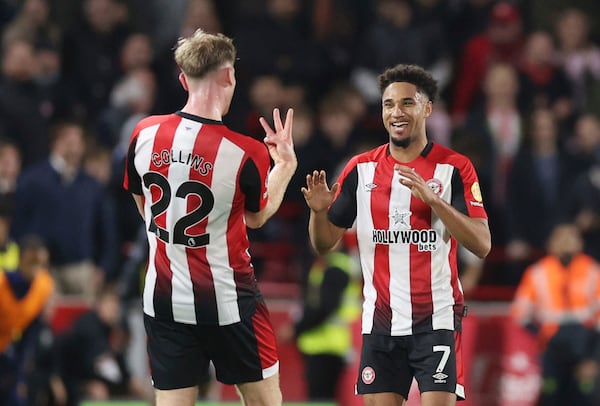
x,y
183,81
428,108
226,76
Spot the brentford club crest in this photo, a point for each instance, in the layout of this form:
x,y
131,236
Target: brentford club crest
x,y
368,375
436,186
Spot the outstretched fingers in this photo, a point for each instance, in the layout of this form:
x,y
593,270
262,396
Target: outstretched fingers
x,y
268,131
277,120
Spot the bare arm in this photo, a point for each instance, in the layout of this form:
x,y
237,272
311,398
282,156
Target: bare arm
x,y
139,204
281,149
472,233
324,235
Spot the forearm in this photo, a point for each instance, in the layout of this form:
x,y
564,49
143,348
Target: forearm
x,y
323,235
473,234
279,178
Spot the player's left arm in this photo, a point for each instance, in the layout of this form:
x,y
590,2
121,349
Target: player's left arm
x,y
139,203
472,232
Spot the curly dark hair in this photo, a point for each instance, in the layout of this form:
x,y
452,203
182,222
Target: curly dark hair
x,y
413,74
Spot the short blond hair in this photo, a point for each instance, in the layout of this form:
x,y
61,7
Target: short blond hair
x,y
203,52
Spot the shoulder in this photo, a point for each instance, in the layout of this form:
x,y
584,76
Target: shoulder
x,y
152,121
250,145
40,170
445,155
372,155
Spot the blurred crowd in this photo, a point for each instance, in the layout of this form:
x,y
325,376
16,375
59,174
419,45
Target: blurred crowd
x,y
520,96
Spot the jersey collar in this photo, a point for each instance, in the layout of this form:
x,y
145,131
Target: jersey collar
x,y
424,153
197,118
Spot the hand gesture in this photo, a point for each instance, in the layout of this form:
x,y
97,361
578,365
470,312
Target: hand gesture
x,y
417,185
317,194
279,141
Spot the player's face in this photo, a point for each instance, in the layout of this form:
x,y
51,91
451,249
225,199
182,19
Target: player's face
x,y
404,110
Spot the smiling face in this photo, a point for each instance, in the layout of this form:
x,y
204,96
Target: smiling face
x,y
404,110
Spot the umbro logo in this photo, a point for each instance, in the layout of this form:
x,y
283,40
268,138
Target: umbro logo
x,y
370,186
440,377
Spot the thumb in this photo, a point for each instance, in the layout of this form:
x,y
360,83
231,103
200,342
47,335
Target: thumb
x,y
335,187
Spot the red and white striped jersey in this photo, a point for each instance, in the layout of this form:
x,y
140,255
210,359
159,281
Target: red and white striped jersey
x,y
197,178
407,256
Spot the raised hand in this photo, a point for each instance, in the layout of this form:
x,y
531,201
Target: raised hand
x,y
417,185
279,141
317,194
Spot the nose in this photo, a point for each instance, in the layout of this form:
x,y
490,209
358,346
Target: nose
x,y
397,111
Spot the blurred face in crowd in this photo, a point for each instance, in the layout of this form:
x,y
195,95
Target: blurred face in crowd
x,y
266,93
572,29
10,162
404,110
70,145
109,308
587,133
101,14
18,62
33,260
501,83
540,49
200,14
284,9
565,242
398,12
136,52
543,127
36,10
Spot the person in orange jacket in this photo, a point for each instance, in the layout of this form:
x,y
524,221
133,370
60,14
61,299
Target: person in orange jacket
x,y
23,295
558,298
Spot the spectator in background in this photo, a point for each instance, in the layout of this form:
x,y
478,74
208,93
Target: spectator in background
x,y
57,200
557,299
10,169
502,42
136,53
282,23
23,295
9,249
92,352
580,58
494,130
584,208
22,117
264,94
331,303
196,14
335,126
90,53
540,174
542,81
45,386
32,24
394,37
466,20
131,99
584,144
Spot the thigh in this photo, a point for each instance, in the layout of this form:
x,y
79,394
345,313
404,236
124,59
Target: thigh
x,y
261,393
433,357
176,397
384,366
177,358
245,351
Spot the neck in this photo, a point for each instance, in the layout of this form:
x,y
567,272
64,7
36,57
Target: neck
x,y
206,100
411,152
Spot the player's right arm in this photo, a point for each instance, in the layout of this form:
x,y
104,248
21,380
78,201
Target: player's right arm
x,y
281,148
324,235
